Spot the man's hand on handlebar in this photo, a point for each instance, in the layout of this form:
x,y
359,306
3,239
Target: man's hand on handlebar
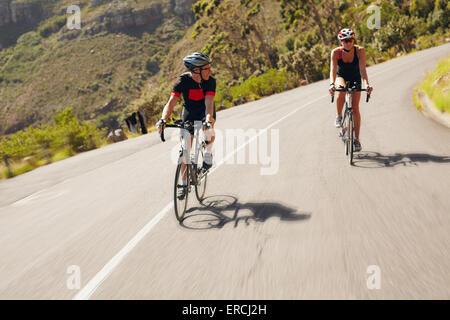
x,y
207,125
160,125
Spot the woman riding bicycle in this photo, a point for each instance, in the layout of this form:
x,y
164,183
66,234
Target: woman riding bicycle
x,y
348,63
198,89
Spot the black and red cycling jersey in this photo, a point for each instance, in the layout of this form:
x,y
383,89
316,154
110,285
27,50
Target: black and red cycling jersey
x,y
194,94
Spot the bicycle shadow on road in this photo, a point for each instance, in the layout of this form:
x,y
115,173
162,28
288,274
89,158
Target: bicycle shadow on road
x,y
370,159
219,210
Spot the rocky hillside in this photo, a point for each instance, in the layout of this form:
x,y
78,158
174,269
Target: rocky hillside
x,y
99,68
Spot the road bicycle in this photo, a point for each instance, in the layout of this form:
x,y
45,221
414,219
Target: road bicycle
x,y
347,124
194,175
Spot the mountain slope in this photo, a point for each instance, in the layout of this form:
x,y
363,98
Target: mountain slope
x,y
97,69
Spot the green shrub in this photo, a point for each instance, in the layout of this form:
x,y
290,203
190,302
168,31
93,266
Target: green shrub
x,y
290,43
152,65
52,26
255,87
78,137
94,87
44,144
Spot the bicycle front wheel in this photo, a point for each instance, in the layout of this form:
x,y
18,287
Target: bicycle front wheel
x,y
202,177
180,200
345,132
350,140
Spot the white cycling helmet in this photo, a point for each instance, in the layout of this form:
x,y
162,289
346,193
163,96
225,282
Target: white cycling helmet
x,y
346,34
196,60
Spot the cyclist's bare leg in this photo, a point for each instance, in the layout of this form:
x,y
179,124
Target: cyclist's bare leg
x,y
210,136
183,164
340,95
356,115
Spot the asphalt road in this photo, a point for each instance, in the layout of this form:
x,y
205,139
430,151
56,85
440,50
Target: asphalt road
x,y
309,229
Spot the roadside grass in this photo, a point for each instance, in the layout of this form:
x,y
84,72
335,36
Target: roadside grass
x,y
436,85
416,100
61,154
17,168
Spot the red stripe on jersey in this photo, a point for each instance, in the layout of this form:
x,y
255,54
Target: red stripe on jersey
x,y
196,94
176,94
210,93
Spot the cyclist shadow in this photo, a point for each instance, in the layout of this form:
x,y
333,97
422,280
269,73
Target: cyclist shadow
x,y
218,211
370,159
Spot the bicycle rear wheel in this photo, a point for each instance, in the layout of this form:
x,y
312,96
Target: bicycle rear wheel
x,y
202,177
180,203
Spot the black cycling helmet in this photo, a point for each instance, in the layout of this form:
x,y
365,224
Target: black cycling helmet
x,y
196,60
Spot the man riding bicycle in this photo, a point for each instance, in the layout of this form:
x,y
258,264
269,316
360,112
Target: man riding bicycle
x,y
198,88
348,63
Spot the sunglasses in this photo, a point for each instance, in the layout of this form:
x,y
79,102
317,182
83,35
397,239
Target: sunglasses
x,y
348,40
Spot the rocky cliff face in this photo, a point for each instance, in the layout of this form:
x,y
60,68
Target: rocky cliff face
x,y
120,15
182,8
5,13
19,12
124,17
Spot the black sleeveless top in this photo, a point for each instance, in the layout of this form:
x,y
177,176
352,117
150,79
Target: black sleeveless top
x,y
349,70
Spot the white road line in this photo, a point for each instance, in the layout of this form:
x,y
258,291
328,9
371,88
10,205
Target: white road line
x,y
98,279
27,199
37,194
86,292
103,274
40,196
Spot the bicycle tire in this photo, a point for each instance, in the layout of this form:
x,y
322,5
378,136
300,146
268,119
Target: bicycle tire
x,y
180,206
345,132
350,140
202,177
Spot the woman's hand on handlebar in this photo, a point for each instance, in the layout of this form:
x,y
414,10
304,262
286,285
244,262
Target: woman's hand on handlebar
x,y
332,89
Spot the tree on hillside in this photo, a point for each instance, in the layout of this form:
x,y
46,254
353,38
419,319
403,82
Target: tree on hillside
x,y
421,8
398,33
306,11
239,41
311,65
